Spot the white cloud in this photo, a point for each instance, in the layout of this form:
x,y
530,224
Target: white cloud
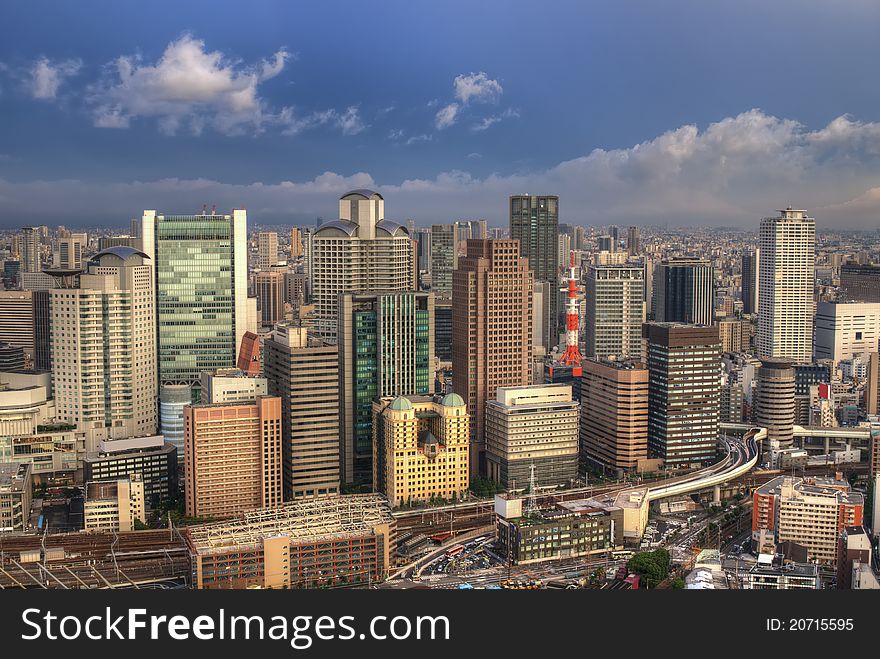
x,y
419,138
731,172
491,120
188,86
395,134
45,77
477,87
445,116
348,122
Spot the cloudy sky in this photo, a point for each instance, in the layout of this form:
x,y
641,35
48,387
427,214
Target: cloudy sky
x,y
682,111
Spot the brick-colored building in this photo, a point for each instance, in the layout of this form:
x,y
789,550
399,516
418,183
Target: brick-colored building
x,y
232,457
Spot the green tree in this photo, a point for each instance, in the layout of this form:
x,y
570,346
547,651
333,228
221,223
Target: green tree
x,y
678,583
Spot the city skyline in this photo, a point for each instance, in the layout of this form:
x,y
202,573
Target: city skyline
x,y
283,122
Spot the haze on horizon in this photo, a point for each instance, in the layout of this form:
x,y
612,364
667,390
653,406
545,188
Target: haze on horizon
x,y
687,113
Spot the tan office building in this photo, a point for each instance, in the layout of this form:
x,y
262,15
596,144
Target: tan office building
x,y
114,505
420,448
232,457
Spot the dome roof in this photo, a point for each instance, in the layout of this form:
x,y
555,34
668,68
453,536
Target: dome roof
x,y
400,404
121,251
452,400
362,192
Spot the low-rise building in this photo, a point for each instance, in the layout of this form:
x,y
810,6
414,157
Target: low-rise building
x,y
15,495
772,573
114,505
152,458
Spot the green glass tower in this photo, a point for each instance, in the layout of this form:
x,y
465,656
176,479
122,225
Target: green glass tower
x,y
386,348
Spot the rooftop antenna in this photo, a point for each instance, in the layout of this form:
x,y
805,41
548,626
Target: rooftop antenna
x,y
572,355
532,502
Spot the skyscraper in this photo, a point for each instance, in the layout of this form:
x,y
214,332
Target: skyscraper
x,y
684,368
615,310
750,281
787,281
534,222
104,348
491,329
296,243
386,348
684,291
443,258
774,401
267,249
30,249
633,241
70,251
359,252
269,286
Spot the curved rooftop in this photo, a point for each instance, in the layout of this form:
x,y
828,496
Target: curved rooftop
x,y
400,404
391,228
452,400
349,228
121,251
362,192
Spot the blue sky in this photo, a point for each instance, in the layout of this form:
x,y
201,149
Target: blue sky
x,y
687,112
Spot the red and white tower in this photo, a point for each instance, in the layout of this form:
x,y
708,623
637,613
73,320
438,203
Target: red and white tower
x,y
572,356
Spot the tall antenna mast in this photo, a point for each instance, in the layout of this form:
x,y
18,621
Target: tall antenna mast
x,y
572,355
532,502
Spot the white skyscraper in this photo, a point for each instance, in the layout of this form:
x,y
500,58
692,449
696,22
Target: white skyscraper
x,y
786,283
104,348
360,252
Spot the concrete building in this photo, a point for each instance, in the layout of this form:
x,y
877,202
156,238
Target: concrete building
x,y
684,366
31,259
151,458
70,250
443,258
267,249
421,451
615,311
104,348
734,334
359,252
231,385
295,288
386,348
15,496
491,330
854,548
633,241
614,414
443,328
304,373
772,572
325,541
684,291
812,512
232,459
872,385
296,243
269,286
750,281
860,282
787,281
114,506
844,329
17,328
535,426
774,401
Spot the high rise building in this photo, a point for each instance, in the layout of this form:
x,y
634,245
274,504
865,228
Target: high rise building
x,y
860,282
31,260
296,243
69,255
359,252
269,286
17,314
249,356
491,329
267,249
786,283
684,367
443,328
633,241
615,310
231,385
151,458
386,348
844,329
200,264
420,449
534,426
684,292
232,457
104,348
534,222
294,288
750,280
774,401
42,330
443,258
304,373
614,414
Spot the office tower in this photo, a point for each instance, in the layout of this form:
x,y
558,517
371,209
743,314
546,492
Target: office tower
x,y
304,373
532,427
249,355
114,506
480,229
231,385
614,232
684,292
69,255
151,458
541,317
844,329
615,310
104,348
200,264
491,329
787,277
872,387
443,328
534,222
423,236
605,244
232,457
359,252
564,252
443,258
860,282
296,243
106,242
172,399
684,365
812,512
731,404
733,334
269,286
294,288
30,250
614,415
11,357
633,241
42,331
774,401
386,348
579,242
267,249
420,448
750,280
17,314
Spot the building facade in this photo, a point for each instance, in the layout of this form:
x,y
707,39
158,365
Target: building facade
x,y
615,311
684,291
844,329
